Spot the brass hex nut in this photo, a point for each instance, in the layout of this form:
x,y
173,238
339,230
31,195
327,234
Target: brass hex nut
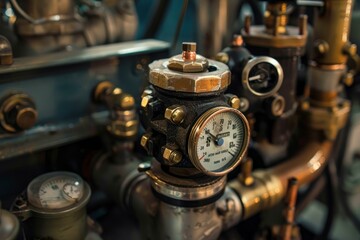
x,y
177,63
217,77
145,101
144,140
175,114
172,156
234,101
126,101
123,128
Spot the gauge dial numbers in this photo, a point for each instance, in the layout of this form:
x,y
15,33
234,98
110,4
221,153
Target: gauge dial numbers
x,y
218,141
55,190
262,76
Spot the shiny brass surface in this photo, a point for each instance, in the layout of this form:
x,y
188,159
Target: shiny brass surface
x,y
234,102
257,37
328,119
189,51
337,14
17,112
188,62
186,189
306,165
145,100
175,114
202,82
171,155
275,18
199,126
144,140
266,191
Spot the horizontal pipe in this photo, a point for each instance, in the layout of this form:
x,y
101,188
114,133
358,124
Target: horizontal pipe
x,y
270,185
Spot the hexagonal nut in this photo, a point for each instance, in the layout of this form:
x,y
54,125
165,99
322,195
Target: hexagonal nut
x,y
144,140
177,63
175,114
124,101
172,156
123,128
145,101
233,101
217,78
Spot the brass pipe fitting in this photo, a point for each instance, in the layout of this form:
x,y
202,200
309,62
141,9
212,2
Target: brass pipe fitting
x,y
270,185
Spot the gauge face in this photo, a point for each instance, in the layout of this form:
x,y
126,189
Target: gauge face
x,y
262,76
218,141
55,190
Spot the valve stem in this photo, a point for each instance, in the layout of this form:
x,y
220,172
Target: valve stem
x,y
286,231
189,51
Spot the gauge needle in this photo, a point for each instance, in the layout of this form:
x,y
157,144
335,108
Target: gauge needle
x,y
231,153
218,141
257,77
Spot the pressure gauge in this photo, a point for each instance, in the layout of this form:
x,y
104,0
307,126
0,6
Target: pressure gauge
x,y
262,76
218,140
55,190
54,207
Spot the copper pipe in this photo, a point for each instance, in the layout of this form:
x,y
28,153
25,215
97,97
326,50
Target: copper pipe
x,y
270,185
306,165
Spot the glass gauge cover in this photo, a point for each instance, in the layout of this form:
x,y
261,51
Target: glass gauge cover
x,y
262,76
55,190
218,141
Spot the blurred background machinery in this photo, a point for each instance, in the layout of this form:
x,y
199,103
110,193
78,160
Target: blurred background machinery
x,y
191,119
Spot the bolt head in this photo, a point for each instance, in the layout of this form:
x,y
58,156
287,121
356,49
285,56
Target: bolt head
x,y
172,156
234,102
144,140
145,101
189,46
127,101
175,114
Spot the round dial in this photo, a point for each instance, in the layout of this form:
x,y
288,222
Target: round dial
x,y
262,76
218,140
55,190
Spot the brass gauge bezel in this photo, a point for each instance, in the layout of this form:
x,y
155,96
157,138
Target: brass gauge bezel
x,y
253,62
197,129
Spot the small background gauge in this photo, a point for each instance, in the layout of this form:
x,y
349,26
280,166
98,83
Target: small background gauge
x,y
262,76
55,190
218,140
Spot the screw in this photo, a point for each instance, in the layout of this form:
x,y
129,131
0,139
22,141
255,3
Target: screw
x,y
144,140
175,114
234,102
145,101
172,156
189,51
